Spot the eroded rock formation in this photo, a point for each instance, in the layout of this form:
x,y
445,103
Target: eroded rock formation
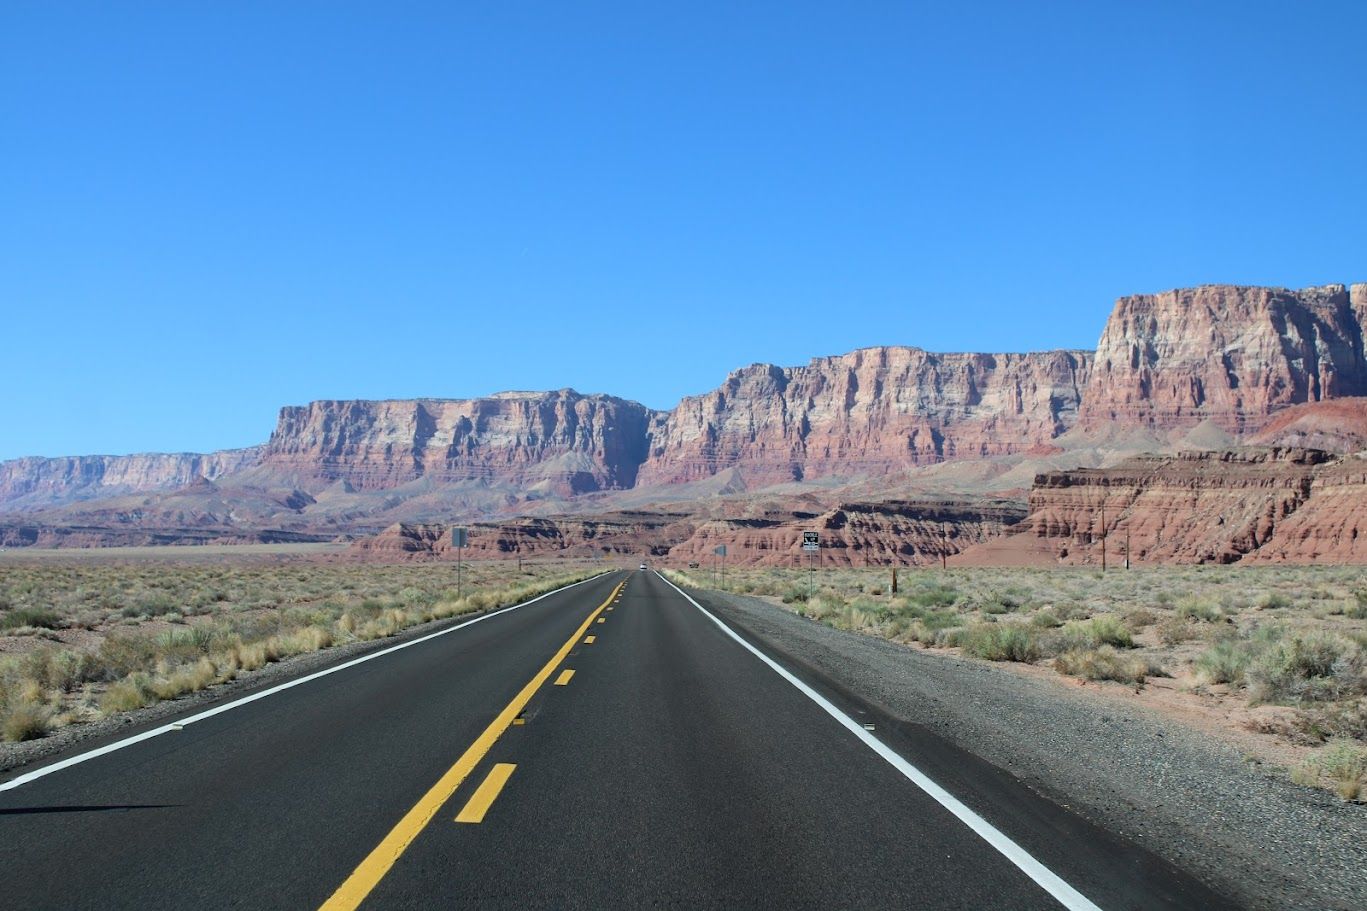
x,y
1289,505
37,482
867,412
1232,355
563,441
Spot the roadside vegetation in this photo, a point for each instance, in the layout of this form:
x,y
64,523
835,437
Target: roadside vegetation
x,y
83,639
1293,638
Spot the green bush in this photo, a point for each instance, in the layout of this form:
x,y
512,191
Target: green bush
x,y
1199,609
39,617
1307,667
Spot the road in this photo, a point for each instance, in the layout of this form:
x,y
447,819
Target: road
x,y
612,745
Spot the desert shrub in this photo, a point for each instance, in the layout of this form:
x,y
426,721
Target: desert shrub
x,y
1103,663
1340,765
132,692
25,719
1176,630
1140,618
158,604
121,655
935,596
1000,642
1358,609
37,617
1199,609
1047,619
795,595
1226,661
1003,602
1274,601
1310,666
190,679
60,670
1103,629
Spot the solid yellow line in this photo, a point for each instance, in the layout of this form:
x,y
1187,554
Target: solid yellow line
x,y
486,793
564,677
364,878
588,640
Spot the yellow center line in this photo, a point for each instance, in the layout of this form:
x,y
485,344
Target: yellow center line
x,y
564,677
377,863
486,793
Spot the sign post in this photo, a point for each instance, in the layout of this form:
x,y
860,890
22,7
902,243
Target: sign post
x,y
458,537
811,543
720,551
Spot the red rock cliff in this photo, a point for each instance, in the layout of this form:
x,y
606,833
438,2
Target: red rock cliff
x,y
573,443
869,411
36,482
1233,355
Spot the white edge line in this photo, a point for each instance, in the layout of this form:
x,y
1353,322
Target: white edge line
x,y
279,688
1047,879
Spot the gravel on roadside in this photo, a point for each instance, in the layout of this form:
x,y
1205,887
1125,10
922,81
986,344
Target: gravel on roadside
x,y
1247,832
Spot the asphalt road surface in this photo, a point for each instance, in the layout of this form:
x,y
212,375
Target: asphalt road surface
x,y
611,745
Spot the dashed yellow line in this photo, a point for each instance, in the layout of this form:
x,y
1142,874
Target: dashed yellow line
x,y
378,862
588,640
486,793
564,677
602,619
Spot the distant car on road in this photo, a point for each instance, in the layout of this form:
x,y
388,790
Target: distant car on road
x,y
643,567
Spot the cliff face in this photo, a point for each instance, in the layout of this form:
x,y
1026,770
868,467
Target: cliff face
x,y
869,411
1233,355
34,483
567,442
1289,505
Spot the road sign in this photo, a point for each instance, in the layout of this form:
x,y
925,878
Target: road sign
x,y
719,550
811,540
459,537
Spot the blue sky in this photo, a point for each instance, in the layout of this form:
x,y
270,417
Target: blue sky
x,y
211,210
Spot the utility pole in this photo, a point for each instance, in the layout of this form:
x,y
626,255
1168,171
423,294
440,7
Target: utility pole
x,y
1103,536
944,547
1127,545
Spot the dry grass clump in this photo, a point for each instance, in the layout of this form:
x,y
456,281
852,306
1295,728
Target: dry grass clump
x,y
1341,766
201,638
1104,663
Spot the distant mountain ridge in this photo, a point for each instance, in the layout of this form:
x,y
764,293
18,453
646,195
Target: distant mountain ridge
x,y
1222,356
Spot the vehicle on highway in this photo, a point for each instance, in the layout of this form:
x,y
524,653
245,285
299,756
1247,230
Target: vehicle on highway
x,y
643,567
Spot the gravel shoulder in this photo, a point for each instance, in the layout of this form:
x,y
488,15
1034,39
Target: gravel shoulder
x,y
1246,831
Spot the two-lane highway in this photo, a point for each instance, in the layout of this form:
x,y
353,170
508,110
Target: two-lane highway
x,y
610,745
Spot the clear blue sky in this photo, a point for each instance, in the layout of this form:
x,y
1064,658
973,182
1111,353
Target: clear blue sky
x,y
211,210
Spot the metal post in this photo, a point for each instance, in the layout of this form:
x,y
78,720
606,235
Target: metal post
x,y
1127,545
944,547
460,582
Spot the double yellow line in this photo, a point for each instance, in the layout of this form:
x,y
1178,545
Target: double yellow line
x,y
365,877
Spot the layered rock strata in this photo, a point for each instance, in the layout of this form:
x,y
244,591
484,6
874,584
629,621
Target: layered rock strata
x,y
38,482
871,411
1229,354
567,442
1288,505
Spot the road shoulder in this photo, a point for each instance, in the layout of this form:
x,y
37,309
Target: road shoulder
x,y
1191,800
